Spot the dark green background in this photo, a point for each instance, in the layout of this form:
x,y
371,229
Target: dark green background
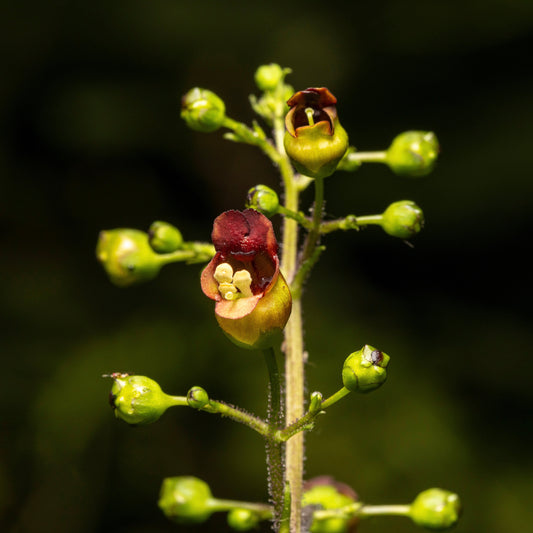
x,y
91,139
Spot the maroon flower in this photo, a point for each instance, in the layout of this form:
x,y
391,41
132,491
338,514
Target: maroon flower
x,y
253,301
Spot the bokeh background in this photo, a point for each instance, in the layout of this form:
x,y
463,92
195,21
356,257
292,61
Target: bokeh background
x,y
91,139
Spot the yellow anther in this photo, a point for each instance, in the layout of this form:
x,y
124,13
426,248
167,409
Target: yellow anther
x,y
242,280
228,291
223,273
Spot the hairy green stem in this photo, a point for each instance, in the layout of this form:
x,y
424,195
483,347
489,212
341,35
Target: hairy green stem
x,y
298,216
247,419
314,234
303,272
247,135
300,424
274,448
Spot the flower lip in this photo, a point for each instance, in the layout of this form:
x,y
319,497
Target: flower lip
x,y
315,97
321,102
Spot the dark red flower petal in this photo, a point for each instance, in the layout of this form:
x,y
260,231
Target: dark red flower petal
x,y
243,234
314,97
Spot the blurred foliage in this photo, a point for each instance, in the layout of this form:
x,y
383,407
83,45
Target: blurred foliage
x,y
91,139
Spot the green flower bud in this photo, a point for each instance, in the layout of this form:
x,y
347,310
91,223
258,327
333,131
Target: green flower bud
x,y
185,499
197,397
203,110
315,402
403,219
164,238
127,256
268,77
436,509
315,141
242,519
413,153
326,493
137,400
263,199
364,370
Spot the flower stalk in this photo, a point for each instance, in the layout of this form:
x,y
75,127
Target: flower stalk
x,y
293,338
257,296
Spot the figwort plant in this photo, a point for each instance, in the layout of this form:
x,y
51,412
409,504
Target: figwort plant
x,y
257,296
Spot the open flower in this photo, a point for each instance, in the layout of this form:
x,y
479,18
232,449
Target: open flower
x,y
253,301
315,140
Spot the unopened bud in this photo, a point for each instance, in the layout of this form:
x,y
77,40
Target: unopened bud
x,y
137,400
203,110
326,493
413,153
365,370
263,199
268,77
127,256
164,238
315,402
197,397
403,219
436,509
185,499
242,519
